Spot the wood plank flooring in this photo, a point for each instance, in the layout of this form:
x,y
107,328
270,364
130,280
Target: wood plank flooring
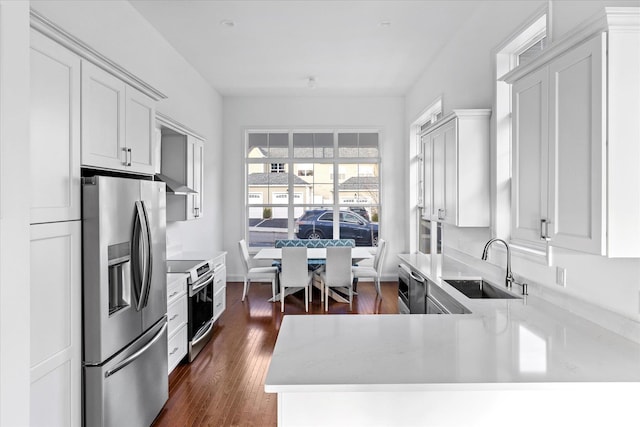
x,y
224,386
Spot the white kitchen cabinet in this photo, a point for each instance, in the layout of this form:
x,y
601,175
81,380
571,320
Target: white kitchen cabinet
x,y
56,324
456,167
54,131
530,147
182,160
558,149
177,317
103,119
198,176
219,289
140,131
575,133
117,123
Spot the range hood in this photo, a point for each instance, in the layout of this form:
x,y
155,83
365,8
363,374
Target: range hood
x,y
173,186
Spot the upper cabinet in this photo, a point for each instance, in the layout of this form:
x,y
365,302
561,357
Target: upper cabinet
x,y
575,178
456,168
182,167
117,123
84,98
55,132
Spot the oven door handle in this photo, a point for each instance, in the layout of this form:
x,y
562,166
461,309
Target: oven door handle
x,y
195,289
202,335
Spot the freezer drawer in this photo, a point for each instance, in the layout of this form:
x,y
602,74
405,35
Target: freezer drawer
x,y
128,390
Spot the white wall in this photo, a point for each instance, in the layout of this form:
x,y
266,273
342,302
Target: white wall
x,y
14,214
464,75
384,113
116,30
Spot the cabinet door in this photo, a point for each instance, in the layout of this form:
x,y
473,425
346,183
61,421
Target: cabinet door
x,y
103,119
529,156
191,175
140,131
450,173
577,148
55,326
55,131
198,177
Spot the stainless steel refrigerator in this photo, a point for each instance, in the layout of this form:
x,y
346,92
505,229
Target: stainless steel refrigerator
x,y
125,301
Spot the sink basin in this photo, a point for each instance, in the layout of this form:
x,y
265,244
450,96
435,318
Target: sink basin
x,y
477,288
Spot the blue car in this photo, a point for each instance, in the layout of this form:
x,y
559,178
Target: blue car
x,y
318,224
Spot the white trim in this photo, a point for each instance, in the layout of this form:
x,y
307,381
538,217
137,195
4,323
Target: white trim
x,y
53,31
167,121
610,19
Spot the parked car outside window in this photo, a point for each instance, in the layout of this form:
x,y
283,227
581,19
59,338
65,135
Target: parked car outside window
x,y
318,224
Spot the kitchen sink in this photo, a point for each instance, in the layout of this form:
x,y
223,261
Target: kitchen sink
x,y
478,288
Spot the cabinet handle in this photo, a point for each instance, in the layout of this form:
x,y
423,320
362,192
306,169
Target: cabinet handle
x,y
544,229
441,214
196,212
126,153
173,351
173,294
129,153
173,317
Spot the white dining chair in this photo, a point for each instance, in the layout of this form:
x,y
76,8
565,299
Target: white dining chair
x,y
374,272
256,273
295,273
337,273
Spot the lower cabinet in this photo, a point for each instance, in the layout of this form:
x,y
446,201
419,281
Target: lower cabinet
x,y
56,324
177,318
219,291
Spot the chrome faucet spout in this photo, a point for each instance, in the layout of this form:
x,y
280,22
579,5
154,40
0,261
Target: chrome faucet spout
x,y
509,279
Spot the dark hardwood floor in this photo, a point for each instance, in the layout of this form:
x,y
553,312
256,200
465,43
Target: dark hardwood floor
x,y
224,386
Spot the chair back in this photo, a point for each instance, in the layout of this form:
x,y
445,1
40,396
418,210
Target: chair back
x,y
338,268
244,251
378,259
294,266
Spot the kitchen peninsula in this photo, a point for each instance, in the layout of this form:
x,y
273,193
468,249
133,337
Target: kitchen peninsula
x,y
519,359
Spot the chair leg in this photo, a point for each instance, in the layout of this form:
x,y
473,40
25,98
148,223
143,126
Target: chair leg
x,y
306,298
273,289
378,290
245,290
282,289
351,298
326,298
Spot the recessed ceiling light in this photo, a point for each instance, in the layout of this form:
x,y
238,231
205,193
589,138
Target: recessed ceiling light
x,y
228,23
385,23
311,82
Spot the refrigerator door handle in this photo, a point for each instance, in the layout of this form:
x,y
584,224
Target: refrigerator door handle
x,y
148,271
140,252
137,354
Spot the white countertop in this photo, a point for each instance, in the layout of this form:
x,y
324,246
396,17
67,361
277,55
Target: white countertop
x,y
519,343
195,255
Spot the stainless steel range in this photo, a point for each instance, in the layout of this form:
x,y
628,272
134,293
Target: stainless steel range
x,y
201,275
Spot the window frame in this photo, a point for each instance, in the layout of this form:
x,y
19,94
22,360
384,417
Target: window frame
x,y
289,163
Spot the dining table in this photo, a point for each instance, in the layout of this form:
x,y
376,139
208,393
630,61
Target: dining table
x,y
358,253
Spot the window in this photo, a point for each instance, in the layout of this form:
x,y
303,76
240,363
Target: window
x,y
277,168
427,231
306,164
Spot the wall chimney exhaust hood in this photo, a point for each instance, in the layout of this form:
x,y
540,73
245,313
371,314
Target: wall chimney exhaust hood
x,y
174,187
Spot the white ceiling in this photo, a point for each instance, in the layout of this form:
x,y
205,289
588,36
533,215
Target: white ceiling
x,y
275,46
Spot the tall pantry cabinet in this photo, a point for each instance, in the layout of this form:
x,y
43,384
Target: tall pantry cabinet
x,y
55,290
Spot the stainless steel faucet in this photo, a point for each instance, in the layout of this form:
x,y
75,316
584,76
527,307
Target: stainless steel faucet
x,y
509,279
